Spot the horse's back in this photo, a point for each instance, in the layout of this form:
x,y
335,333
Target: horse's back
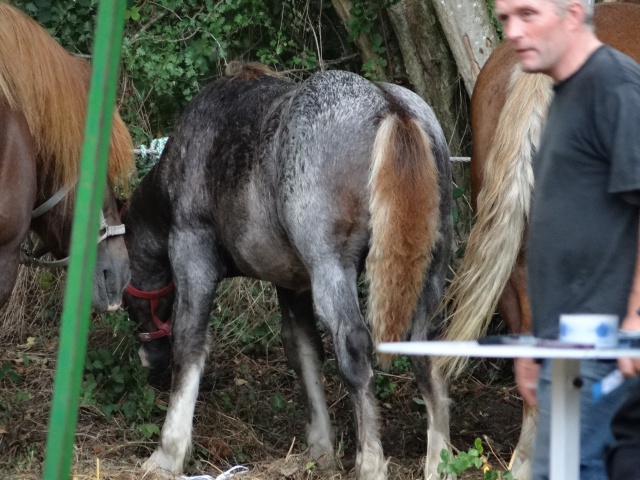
x,y
212,149
617,25
326,135
331,123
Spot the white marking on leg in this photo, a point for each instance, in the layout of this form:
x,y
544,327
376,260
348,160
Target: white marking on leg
x,y
144,358
438,431
370,462
175,439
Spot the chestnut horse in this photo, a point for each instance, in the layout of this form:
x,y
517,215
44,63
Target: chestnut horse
x,y
508,110
300,185
43,102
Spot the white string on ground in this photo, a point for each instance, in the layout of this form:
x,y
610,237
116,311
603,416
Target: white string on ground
x,y
232,472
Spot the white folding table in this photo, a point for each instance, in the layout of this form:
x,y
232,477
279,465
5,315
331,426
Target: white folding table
x,y
565,391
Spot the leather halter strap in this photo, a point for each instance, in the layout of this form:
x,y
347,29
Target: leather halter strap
x,y
28,257
53,201
164,327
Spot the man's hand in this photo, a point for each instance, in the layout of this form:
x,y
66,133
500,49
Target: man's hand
x,y
527,373
630,366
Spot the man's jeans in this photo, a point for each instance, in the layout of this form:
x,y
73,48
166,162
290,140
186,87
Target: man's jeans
x,y
595,420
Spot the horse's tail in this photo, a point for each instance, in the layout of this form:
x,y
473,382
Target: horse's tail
x,y
49,86
503,207
405,224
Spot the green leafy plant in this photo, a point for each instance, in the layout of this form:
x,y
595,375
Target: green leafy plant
x,y
171,48
364,19
384,387
473,458
491,6
400,364
115,381
278,403
7,371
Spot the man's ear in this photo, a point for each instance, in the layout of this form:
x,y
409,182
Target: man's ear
x,y
575,14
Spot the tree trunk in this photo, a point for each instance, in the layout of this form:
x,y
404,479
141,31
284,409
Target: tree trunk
x,y
431,68
469,33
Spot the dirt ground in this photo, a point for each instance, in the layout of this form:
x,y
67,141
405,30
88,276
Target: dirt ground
x,y
249,411
235,421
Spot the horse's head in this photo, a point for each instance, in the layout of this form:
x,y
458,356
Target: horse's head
x,y
112,266
151,310
150,294
52,221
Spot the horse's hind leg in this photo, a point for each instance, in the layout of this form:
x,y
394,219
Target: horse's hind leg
x,y
431,383
433,389
336,300
304,350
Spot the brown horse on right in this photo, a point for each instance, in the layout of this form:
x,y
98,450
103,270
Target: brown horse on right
x,y
508,111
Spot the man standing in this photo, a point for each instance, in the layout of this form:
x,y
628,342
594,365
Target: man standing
x,y
583,232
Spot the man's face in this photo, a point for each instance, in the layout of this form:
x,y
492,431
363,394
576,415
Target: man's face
x,y
537,30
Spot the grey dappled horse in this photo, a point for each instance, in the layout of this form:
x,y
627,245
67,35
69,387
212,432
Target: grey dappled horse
x,y
299,185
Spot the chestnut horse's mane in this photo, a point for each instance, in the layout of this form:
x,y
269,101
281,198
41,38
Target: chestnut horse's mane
x,y
49,86
249,70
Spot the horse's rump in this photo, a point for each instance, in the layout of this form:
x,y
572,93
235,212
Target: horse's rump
x,y
391,153
49,86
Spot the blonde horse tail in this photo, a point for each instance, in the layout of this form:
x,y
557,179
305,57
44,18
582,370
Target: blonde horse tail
x,y
405,225
49,86
503,208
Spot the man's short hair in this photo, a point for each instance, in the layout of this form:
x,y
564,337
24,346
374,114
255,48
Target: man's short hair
x,y
587,4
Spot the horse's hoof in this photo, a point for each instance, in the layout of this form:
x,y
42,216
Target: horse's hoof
x,y
161,466
326,462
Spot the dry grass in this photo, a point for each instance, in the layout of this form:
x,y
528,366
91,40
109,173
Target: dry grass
x,y
36,297
235,420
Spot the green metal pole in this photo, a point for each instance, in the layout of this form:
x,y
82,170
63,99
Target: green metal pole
x,y
84,234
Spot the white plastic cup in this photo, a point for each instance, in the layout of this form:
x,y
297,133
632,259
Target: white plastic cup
x,y
598,330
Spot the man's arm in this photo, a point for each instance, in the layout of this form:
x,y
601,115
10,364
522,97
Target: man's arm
x,y
630,366
527,373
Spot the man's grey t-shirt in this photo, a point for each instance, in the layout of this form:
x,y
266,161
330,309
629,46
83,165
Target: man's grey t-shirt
x,y
583,231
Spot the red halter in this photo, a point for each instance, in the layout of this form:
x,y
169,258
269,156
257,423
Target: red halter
x,y
164,328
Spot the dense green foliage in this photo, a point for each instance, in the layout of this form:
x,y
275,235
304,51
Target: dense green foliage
x,y
172,47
